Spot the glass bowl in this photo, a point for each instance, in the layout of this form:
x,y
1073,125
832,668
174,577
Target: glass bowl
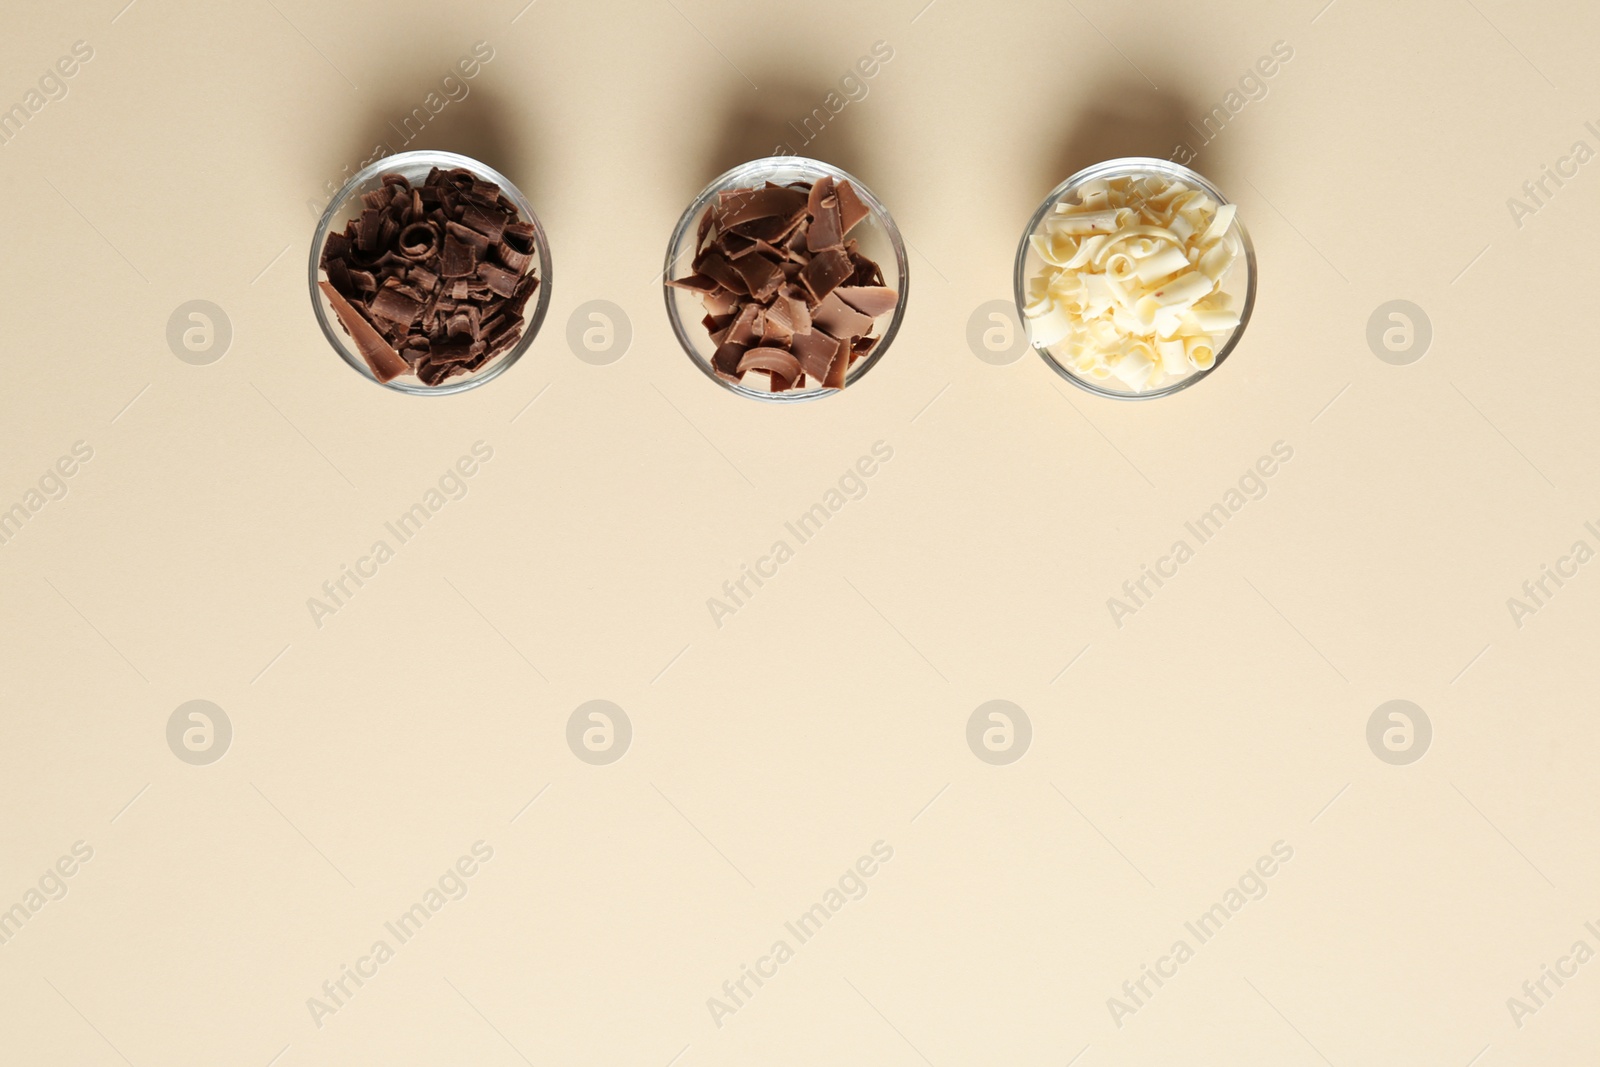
x,y
414,167
877,235
1239,283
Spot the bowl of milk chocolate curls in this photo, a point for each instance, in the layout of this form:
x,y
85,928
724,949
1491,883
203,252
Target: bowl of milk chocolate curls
x,y
436,277
786,279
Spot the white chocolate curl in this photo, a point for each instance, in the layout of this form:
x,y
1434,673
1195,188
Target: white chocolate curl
x,y
1129,291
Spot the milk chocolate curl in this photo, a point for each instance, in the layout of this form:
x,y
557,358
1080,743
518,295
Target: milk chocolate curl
x,y
775,361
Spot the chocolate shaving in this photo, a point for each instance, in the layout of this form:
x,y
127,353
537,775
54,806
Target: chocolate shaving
x,y
786,294
827,231
851,208
825,273
498,280
839,318
817,352
396,307
459,259
420,240
411,279
379,354
491,222
725,361
774,361
873,300
513,260
468,236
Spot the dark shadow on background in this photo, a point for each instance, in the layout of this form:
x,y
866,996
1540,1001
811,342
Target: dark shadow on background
x,y
1128,119
787,115
481,125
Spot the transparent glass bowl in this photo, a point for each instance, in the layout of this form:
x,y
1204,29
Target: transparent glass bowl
x,y
414,167
877,235
1239,282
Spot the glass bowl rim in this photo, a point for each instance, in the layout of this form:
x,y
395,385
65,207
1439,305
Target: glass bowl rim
x,y
445,161
744,172
1122,167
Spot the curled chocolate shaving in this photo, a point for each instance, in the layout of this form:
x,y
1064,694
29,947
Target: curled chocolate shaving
x,y
432,280
419,240
774,361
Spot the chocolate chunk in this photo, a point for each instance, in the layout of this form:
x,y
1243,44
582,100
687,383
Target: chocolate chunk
x,y
519,236
745,328
514,261
826,230
489,222
817,352
695,283
468,236
747,205
826,271
839,318
367,230
339,275
715,266
820,191
839,369
870,300
721,302
336,248
790,313
867,272
851,208
761,275
460,259
725,361
396,307
499,281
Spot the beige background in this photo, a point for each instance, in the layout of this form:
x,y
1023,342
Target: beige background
x,y
831,711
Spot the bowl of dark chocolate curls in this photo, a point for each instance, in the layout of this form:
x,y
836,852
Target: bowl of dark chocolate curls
x,y
786,280
430,273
